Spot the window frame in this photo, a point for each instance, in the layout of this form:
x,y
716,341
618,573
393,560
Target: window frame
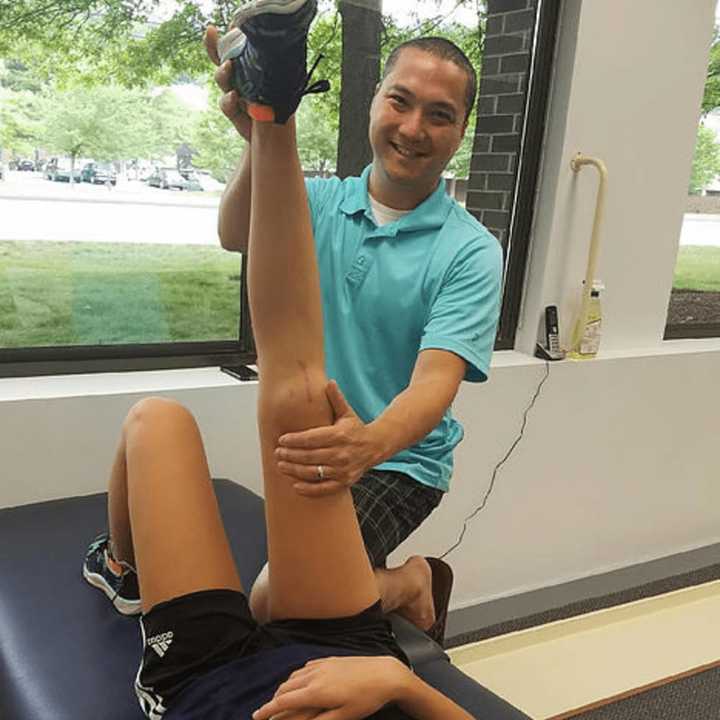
x,y
68,360
519,202
688,331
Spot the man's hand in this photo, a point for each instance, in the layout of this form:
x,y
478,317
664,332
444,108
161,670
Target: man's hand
x,y
232,105
344,450
347,688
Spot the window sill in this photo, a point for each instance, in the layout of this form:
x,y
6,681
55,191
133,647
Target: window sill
x,y
513,358
121,383
65,386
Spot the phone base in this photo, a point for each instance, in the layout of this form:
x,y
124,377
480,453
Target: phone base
x,y
544,354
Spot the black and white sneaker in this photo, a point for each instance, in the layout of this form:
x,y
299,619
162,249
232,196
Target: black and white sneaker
x,y
122,589
268,49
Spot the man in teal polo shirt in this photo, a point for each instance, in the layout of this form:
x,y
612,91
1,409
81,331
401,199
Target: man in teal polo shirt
x,y
411,294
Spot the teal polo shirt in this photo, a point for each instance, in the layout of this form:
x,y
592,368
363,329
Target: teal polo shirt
x,y
431,279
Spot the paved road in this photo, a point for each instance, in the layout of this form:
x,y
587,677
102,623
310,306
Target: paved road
x,y
36,209
68,220
700,230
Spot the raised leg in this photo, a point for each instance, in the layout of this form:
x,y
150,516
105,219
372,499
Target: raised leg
x,y
318,565
406,589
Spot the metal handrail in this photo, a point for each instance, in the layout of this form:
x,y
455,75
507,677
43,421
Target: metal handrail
x,y
577,163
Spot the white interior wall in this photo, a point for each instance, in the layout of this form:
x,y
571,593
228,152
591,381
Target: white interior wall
x,y
618,464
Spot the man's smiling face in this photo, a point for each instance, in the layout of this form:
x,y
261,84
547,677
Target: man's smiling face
x,y
417,122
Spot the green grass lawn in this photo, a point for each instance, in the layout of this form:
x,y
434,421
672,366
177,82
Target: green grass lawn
x,y
698,268
65,293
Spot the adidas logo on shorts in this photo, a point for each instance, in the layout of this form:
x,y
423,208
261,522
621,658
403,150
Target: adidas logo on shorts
x,y
161,643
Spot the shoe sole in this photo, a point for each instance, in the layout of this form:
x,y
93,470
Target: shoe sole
x,y
123,606
229,47
272,7
442,582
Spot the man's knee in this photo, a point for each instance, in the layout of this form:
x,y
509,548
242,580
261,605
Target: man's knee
x,y
260,597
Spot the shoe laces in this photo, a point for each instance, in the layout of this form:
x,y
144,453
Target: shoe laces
x,y
319,86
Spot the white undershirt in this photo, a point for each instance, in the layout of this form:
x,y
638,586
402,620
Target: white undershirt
x,y
384,214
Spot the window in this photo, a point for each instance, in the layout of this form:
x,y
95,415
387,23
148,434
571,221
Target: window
x,y
517,61
109,257
694,309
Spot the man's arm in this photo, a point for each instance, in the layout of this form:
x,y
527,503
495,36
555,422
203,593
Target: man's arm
x,y
420,407
349,447
234,214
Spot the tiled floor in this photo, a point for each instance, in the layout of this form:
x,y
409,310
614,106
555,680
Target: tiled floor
x,y
548,670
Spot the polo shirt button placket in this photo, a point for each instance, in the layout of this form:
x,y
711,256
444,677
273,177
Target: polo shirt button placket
x,y
358,271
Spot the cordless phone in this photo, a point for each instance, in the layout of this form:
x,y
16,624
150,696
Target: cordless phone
x,y
549,348
552,331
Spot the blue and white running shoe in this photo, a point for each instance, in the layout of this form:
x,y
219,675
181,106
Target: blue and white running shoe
x,y
268,48
123,589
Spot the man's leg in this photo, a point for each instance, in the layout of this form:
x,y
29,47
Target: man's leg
x,y
317,562
407,590
163,515
390,506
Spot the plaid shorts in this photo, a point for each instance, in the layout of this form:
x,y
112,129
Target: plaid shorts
x,y
390,506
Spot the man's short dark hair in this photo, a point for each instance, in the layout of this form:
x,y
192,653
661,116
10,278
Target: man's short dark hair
x,y
445,50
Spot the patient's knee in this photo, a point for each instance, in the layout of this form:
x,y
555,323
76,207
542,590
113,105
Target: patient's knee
x,y
295,403
156,411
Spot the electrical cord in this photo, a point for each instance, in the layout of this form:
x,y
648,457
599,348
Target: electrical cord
x,y
501,463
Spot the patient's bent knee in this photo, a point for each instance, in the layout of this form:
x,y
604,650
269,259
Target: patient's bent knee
x,y
151,411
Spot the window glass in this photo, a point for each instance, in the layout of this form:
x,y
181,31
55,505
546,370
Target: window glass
x,y
114,155
694,308
109,216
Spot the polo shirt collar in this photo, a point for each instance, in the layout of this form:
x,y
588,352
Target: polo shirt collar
x,y
430,213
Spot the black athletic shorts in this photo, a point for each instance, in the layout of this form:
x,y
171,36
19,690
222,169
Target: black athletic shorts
x,y
390,506
186,637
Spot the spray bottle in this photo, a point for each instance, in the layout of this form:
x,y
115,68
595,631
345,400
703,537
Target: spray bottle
x,y
587,332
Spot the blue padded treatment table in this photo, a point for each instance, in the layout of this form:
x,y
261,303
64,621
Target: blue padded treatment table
x,y
66,654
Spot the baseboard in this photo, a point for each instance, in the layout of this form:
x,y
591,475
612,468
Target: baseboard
x,y
558,602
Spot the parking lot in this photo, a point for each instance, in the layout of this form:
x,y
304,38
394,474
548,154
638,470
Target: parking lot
x,y
34,208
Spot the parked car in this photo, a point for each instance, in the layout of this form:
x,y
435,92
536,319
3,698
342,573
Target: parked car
x,y
168,179
208,182
59,170
192,181
99,173
26,165
2,171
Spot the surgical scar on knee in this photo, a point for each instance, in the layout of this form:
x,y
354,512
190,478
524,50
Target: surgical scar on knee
x,y
306,377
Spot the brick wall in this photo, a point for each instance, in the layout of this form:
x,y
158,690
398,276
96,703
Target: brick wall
x,y
501,106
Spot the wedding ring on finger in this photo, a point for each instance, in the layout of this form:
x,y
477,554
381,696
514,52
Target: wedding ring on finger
x,y
320,472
